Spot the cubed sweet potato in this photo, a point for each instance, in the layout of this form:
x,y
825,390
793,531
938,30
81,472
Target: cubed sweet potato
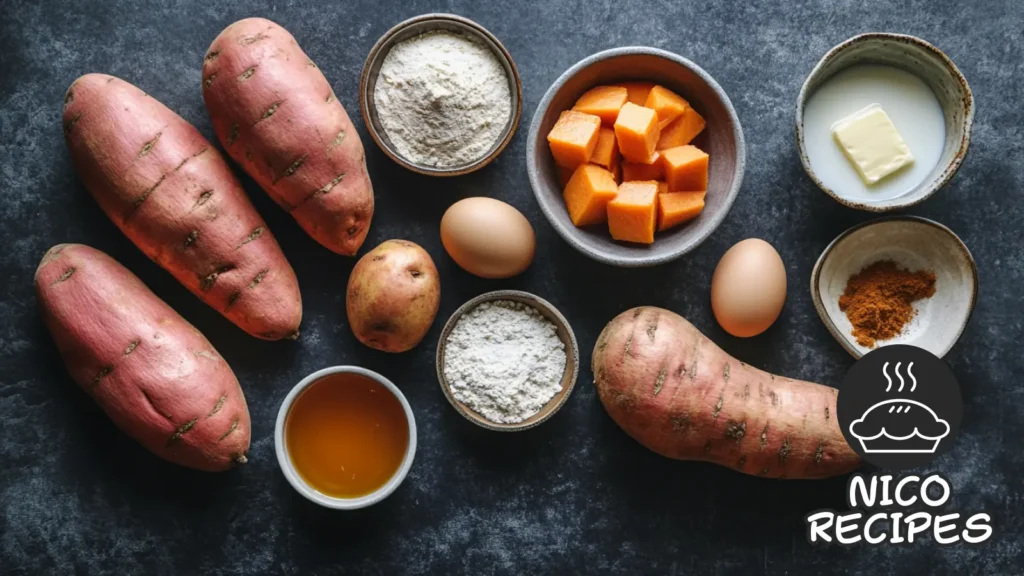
x,y
606,153
686,168
603,102
638,171
573,138
588,193
674,208
666,104
636,92
682,130
278,118
637,132
633,213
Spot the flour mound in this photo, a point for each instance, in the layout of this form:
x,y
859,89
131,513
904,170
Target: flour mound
x,y
504,361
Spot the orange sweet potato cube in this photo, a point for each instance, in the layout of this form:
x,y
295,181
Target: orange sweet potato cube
x,y
667,104
617,170
636,92
662,187
686,168
682,130
674,208
573,138
633,213
587,194
638,171
637,132
606,153
603,102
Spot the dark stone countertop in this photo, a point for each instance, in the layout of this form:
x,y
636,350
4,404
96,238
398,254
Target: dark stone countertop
x,y
576,494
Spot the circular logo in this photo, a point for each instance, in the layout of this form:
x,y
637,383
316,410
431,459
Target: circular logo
x,y
899,407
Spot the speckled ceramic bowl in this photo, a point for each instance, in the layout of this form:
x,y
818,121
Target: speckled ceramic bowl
x,y
722,139
565,334
916,244
414,27
921,59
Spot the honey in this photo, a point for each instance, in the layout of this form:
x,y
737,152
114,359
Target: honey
x,y
346,435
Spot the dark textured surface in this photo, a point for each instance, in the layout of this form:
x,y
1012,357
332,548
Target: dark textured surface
x,y
77,496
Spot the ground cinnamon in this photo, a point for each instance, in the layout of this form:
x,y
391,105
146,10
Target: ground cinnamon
x,y
879,300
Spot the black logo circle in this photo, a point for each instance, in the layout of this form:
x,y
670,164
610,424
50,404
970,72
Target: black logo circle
x,y
899,407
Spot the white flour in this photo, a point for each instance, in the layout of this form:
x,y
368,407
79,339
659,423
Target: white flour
x,y
443,99
504,360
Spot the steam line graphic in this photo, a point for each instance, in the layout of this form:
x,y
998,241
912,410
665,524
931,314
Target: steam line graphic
x,y
913,380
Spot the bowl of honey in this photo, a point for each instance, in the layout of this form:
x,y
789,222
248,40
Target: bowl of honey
x,y
345,437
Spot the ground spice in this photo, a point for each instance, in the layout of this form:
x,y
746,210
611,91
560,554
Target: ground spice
x,y
879,300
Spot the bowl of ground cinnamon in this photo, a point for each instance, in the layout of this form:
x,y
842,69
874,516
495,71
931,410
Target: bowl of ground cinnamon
x,y
896,280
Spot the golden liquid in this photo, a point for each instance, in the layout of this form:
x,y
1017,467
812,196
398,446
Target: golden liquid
x,y
346,435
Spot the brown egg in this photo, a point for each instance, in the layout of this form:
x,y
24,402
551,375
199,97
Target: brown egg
x,y
748,288
487,237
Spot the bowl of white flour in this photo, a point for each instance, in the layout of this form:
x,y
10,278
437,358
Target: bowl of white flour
x,y
507,360
440,95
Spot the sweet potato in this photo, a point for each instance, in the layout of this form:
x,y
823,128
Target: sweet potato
x,y
154,375
277,116
170,191
680,395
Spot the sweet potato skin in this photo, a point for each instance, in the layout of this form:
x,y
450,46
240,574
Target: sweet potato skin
x,y
677,393
154,374
277,116
169,190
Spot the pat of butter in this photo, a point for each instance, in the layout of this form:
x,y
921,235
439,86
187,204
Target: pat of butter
x,y
871,143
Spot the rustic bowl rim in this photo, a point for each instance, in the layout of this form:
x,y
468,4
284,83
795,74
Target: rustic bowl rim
x,y
570,233
819,305
288,467
951,168
378,52
572,354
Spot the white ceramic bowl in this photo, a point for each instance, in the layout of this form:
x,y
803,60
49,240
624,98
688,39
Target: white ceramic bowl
x,y
915,243
288,468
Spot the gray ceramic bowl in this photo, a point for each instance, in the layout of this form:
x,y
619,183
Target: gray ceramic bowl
x,y
921,59
565,334
292,475
916,244
722,139
414,27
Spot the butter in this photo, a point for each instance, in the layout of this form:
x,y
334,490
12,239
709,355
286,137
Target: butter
x,y
871,143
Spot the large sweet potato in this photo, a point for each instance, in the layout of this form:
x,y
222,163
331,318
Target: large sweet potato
x,y
173,194
154,374
278,117
677,393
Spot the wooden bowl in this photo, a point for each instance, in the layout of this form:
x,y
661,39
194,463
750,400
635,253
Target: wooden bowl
x,y
917,244
414,27
921,59
565,334
722,139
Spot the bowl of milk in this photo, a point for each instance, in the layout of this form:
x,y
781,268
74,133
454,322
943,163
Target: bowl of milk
x,y
883,121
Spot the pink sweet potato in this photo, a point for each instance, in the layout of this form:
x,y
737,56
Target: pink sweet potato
x,y
278,117
677,393
155,375
170,191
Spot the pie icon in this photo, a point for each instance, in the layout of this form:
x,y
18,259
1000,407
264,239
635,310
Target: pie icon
x,y
899,426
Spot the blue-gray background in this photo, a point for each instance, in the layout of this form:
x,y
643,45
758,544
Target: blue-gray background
x,y
575,495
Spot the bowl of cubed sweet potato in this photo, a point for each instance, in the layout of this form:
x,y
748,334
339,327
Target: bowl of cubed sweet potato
x,y
635,156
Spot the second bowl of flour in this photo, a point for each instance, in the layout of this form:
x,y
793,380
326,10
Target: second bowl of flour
x,y
507,360
440,95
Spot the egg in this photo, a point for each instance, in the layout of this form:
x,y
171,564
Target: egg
x,y
748,288
487,237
